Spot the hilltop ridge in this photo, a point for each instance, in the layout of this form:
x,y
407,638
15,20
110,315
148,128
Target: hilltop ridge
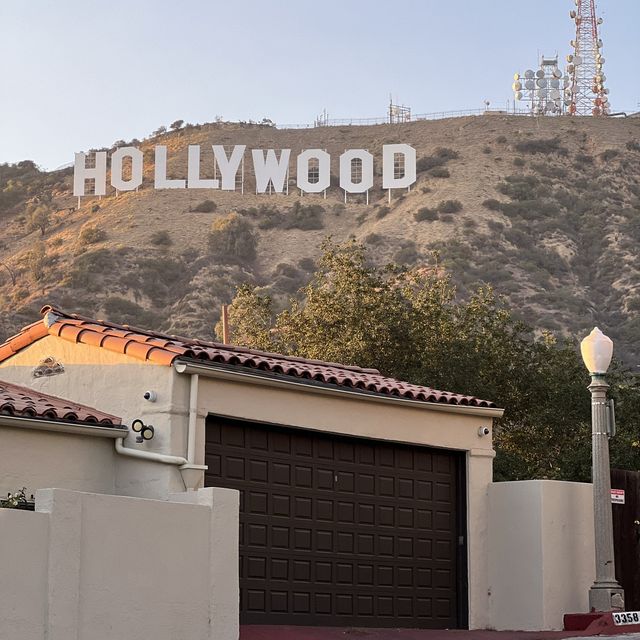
x,y
545,209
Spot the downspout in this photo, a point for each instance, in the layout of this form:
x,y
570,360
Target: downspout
x,y
147,455
191,473
193,417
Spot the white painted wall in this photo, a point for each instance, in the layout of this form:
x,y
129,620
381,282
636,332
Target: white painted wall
x,y
38,459
541,553
23,574
96,567
113,383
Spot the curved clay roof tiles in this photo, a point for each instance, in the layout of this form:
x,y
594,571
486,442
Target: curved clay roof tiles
x,y
164,349
23,402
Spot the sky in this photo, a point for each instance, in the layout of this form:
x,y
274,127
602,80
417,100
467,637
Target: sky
x,y
81,74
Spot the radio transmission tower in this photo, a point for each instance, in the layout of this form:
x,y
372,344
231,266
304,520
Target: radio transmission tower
x,y
587,95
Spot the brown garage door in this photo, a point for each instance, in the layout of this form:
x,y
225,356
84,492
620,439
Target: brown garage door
x,y
342,531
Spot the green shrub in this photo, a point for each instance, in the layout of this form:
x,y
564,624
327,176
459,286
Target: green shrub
x,y
449,206
124,311
232,240
438,158
307,264
440,172
206,206
519,187
425,214
583,158
374,239
161,239
495,226
492,204
633,145
306,217
542,145
88,268
519,162
382,212
92,235
609,154
501,139
95,208
549,171
486,150
407,254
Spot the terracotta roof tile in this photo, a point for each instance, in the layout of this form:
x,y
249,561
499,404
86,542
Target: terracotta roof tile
x,y
27,403
164,349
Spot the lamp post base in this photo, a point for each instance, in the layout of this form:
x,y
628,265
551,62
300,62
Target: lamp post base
x,y
606,596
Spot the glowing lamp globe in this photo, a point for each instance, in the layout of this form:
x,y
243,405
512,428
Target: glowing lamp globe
x,y
597,351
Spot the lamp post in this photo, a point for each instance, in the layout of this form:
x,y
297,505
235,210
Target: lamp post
x,y
605,593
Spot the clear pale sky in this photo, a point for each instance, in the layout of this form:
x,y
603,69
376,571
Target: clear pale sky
x,y
76,74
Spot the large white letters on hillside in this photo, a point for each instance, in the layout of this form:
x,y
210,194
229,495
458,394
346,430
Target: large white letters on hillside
x,y
117,158
82,173
324,171
161,181
271,169
193,171
228,166
346,171
389,179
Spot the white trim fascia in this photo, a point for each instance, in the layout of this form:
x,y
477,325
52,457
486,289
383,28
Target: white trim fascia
x,y
42,424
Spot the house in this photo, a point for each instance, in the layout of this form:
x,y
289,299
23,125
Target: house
x,y
364,500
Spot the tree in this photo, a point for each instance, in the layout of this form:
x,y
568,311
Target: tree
x,y
39,217
174,126
232,240
410,324
250,319
36,261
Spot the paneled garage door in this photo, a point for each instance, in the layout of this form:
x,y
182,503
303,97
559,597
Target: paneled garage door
x,y
341,531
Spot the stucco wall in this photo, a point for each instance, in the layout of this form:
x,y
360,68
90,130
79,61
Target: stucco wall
x,y
114,383
96,567
23,574
39,459
541,553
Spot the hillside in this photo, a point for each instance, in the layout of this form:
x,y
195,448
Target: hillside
x,y
547,210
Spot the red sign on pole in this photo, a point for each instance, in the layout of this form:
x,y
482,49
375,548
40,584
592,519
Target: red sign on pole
x,y
617,496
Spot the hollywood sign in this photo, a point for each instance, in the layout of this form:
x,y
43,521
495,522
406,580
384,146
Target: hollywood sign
x,y
271,172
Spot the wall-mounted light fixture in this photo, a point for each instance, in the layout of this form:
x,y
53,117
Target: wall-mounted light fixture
x,y
146,431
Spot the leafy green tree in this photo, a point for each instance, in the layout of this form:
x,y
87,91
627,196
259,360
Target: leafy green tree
x,y
39,218
36,261
250,319
232,240
410,324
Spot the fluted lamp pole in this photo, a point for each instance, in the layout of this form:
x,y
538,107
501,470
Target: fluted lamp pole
x,y
605,594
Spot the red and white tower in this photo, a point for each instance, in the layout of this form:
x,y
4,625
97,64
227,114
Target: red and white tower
x,y
586,95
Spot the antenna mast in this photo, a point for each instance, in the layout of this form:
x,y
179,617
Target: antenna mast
x,y
587,95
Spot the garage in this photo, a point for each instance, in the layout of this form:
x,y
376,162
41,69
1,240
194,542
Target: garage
x,y
343,531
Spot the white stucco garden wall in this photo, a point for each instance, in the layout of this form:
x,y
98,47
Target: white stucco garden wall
x,y
37,459
97,567
541,553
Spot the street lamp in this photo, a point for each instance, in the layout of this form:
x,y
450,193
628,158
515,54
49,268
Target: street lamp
x,y
605,593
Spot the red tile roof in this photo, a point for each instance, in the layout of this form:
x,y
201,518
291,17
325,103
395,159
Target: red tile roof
x,y
165,349
27,403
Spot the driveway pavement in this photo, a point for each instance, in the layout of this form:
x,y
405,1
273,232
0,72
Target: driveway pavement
x,y
255,632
